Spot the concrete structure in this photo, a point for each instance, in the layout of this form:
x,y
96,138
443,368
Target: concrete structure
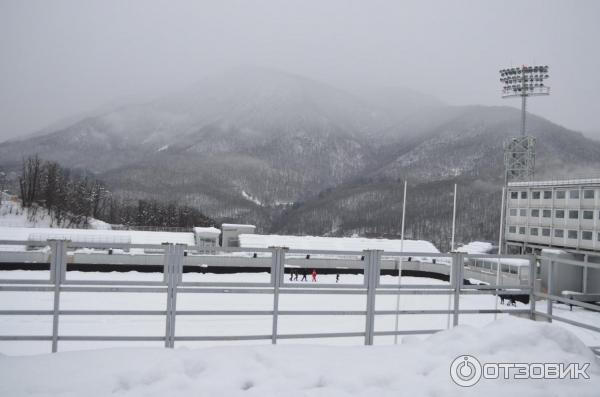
x,y
231,232
561,218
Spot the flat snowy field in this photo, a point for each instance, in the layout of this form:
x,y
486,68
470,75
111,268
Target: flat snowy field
x,y
418,366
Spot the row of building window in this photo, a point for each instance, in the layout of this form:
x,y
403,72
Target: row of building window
x,y
560,233
536,212
559,194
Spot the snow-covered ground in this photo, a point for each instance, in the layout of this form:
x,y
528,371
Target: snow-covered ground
x,y
415,367
418,366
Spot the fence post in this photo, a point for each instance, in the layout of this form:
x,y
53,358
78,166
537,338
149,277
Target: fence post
x,y
372,266
532,275
58,266
173,269
277,274
457,281
550,289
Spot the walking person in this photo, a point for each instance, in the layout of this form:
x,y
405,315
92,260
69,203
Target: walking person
x,y
314,275
304,275
337,278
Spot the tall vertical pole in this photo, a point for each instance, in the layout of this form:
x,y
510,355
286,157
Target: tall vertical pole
x,y
453,220
400,266
498,264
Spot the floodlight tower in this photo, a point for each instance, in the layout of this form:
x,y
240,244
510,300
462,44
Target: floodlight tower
x,y
519,152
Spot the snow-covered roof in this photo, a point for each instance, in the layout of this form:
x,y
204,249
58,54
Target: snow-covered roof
x,y
476,247
333,243
237,225
96,236
207,231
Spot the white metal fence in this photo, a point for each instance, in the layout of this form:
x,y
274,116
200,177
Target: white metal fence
x,y
173,284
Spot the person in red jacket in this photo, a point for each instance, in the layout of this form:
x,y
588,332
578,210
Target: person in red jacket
x,y
314,275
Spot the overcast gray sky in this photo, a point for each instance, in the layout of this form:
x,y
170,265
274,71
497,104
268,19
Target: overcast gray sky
x,y
62,58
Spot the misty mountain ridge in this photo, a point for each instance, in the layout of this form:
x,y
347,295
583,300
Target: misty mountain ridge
x,y
240,144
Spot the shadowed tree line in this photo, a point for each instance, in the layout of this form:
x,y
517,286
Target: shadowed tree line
x,y
73,198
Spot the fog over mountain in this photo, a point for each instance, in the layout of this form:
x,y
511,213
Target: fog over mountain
x,y
68,57
296,155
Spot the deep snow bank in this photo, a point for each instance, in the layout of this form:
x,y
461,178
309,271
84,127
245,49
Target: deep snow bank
x,y
416,368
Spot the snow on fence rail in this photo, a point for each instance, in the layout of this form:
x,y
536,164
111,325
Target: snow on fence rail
x,y
173,285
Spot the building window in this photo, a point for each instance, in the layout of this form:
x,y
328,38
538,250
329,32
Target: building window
x,y
523,212
536,195
598,236
514,195
547,213
547,194
588,214
512,229
572,234
560,194
535,213
573,214
523,195
573,194
533,231
521,230
588,194
559,233
586,235
560,213
513,212
546,232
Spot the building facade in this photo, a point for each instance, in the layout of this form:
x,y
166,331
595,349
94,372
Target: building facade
x,y
563,219
559,214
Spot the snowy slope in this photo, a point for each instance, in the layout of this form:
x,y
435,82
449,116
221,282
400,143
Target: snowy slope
x,y
12,214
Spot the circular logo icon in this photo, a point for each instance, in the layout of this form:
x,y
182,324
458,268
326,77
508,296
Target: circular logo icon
x,y
465,370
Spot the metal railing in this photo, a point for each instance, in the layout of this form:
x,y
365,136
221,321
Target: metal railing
x,y
173,284
550,296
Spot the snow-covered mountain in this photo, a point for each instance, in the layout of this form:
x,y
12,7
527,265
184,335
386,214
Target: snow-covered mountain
x,y
240,144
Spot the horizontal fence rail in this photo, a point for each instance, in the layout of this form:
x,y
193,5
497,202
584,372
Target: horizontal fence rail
x,y
276,261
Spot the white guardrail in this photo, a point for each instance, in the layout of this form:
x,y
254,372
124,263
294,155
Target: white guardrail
x,y
170,259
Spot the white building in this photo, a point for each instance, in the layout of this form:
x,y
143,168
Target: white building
x,y
561,214
560,218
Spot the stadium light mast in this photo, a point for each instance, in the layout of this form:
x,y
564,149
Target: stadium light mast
x,y
519,152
